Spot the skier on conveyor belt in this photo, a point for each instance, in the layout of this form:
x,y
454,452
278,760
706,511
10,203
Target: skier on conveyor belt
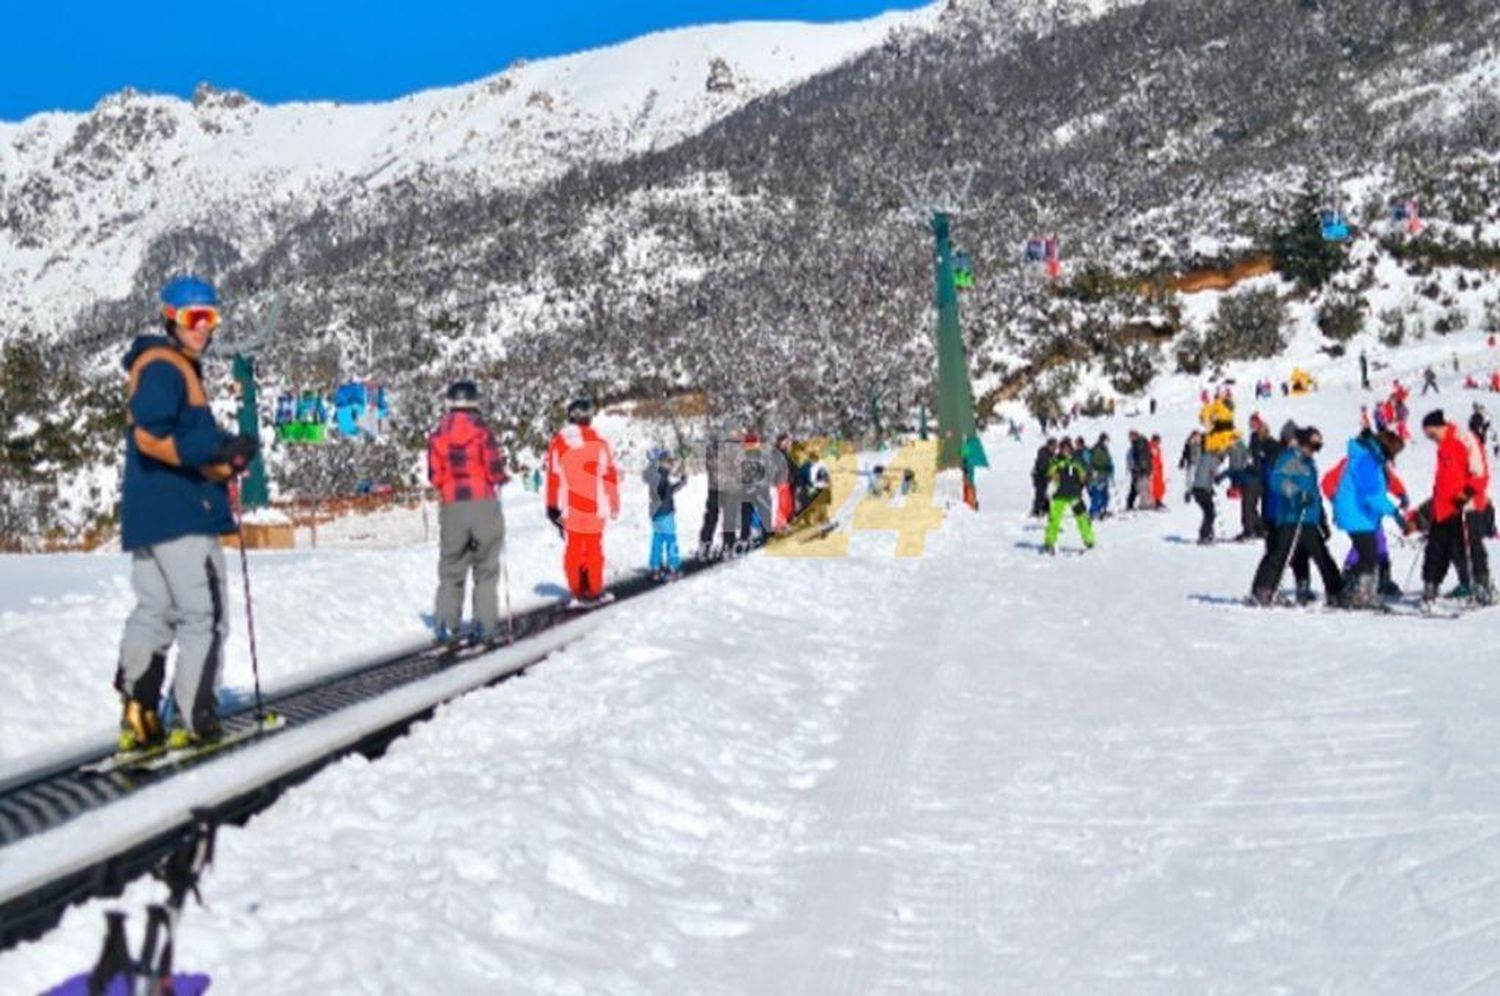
x,y
468,470
174,506
582,481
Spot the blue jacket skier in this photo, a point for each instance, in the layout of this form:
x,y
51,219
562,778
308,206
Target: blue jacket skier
x,y
174,507
1300,536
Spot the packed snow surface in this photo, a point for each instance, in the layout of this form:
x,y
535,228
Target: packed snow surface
x,y
974,771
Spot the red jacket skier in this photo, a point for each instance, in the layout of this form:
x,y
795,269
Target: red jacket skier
x,y
582,480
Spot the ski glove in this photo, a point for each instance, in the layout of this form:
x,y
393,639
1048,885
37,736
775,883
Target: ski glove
x,y
554,516
237,452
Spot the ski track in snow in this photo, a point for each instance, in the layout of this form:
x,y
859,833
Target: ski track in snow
x,y
978,771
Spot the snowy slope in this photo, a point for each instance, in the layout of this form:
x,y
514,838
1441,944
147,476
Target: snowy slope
x,y
977,771
81,195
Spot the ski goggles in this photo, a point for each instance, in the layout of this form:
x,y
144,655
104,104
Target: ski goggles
x,y
192,317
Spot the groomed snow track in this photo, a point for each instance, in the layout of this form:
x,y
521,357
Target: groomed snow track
x,y
63,838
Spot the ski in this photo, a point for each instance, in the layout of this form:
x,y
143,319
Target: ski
x,y
1391,609
588,604
185,756
123,760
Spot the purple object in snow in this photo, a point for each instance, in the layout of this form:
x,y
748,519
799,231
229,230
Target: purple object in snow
x,y
183,984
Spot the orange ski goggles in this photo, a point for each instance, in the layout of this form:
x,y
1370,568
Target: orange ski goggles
x,y
187,318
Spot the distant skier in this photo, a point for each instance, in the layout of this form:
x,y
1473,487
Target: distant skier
x,y
662,485
174,507
1138,469
1364,370
1460,513
582,482
1300,536
1187,462
467,469
1429,381
1158,476
1361,500
1205,477
1067,476
1244,474
1045,454
714,498
1101,467
746,475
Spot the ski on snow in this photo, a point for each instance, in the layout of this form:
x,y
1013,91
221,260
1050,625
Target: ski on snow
x,y
1404,610
161,756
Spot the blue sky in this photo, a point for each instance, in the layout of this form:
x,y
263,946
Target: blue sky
x,y
56,54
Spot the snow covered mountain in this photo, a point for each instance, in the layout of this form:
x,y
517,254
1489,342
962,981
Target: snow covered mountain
x,y
83,195
751,245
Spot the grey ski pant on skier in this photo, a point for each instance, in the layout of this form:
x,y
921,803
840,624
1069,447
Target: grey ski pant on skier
x,y
470,535
180,595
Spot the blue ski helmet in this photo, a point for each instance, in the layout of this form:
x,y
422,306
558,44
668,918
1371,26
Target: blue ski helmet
x,y
189,292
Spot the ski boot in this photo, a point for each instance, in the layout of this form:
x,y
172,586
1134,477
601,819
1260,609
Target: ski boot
x,y
1048,550
1484,593
1461,594
1363,594
1429,596
1263,598
1305,596
1388,588
182,738
140,727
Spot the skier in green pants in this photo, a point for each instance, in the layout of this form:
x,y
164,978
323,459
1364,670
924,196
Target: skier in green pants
x,y
1068,477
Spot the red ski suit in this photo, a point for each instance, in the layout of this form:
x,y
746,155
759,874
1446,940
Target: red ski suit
x,y
581,480
1462,467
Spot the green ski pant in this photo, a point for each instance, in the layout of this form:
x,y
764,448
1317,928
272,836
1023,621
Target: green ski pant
x,y
1061,507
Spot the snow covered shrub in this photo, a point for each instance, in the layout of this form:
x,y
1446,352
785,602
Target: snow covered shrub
x,y
1392,327
1192,354
1492,315
1132,370
1342,317
1247,326
1455,319
1049,396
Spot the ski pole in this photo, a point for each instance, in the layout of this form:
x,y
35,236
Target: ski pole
x,y
260,709
510,617
1463,524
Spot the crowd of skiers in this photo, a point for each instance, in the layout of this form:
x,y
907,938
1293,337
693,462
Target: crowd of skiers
x,y
1285,501
1070,476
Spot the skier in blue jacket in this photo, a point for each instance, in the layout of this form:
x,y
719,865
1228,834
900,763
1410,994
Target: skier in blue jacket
x,y
174,507
1361,502
1300,536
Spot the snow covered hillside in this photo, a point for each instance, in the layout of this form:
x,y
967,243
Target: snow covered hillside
x,y
82,196
976,771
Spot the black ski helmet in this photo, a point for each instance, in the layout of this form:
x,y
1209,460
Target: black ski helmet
x,y
581,411
463,394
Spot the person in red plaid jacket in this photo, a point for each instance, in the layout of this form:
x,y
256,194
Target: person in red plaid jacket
x,y
468,469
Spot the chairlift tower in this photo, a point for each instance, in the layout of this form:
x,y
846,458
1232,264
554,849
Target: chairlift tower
x,y
935,198
254,491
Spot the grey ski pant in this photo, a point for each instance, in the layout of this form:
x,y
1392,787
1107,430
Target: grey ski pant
x,y
470,535
180,595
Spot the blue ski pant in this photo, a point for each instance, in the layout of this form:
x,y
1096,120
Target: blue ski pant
x,y
1098,499
664,543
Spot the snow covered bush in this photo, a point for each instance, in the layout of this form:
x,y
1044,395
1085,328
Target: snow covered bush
x,y
1247,326
1342,317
